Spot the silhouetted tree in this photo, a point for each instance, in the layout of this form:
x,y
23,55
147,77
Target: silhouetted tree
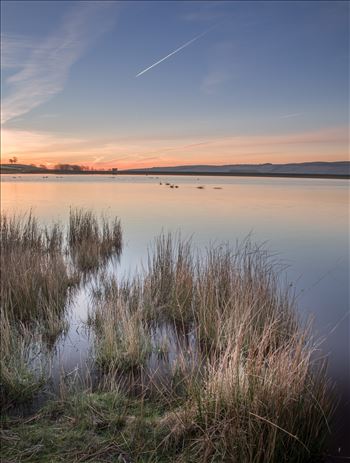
x,y
70,167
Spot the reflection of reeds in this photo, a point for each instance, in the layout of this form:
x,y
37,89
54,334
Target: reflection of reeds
x,y
92,241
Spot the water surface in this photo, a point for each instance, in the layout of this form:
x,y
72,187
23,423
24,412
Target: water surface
x,y
305,221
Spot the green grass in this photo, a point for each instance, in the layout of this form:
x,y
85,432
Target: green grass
x,y
19,381
100,427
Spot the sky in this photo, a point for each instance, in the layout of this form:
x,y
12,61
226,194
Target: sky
x,y
141,84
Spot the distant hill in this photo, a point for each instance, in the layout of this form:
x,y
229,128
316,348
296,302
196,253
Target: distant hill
x,y
20,168
316,169
306,168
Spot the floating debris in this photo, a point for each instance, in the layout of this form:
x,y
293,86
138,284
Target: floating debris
x,y
200,187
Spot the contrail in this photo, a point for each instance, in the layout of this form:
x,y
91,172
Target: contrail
x,y
175,51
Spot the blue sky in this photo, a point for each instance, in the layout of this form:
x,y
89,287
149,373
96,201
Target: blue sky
x,y
264,82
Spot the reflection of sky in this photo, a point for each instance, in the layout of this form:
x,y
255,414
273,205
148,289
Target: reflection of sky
x,y
304,221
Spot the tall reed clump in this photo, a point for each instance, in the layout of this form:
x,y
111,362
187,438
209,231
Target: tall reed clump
x,y
34,287
169,280
260,395
122,336
92,241
34,275
252,391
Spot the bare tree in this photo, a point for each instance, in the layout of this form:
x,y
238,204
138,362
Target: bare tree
x,y
13,160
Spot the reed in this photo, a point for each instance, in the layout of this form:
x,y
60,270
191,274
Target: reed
x,y
23,232
249,405
251,390
245,387
169,280
18,379
35,278
92,241
122,337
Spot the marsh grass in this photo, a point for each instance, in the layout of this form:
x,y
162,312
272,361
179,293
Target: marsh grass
x,y
37,282
34,275
237,379
91,427
251,389
19,381
122,337
92,241
168,283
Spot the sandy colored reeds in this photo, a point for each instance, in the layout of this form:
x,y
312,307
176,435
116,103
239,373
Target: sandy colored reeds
x,y
92,240
252,390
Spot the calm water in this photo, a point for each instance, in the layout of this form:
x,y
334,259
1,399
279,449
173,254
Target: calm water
x,y
305,221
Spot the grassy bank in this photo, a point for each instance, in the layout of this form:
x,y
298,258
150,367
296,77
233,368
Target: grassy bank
x,y
198,357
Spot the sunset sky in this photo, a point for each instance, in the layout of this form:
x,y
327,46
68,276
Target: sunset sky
x,y
241,82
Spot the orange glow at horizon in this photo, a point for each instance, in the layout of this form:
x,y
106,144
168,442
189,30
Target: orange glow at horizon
x,y
49,149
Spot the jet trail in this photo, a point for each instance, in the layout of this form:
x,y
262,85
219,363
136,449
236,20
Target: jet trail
x,y
175,51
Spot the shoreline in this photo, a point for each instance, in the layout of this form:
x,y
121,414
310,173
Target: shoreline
x,y
189,173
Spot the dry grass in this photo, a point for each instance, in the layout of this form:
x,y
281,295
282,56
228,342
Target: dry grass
x,y
245,389
122,338
36,282
251,391
92,241
18,380
168,283
34,274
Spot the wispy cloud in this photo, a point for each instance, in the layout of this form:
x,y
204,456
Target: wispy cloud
x,y
15,50
175,51
213,80
42,69
221,67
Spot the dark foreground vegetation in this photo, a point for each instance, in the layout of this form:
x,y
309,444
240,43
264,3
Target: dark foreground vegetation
x,y
199,357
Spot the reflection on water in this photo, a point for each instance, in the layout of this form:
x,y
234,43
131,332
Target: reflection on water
x,y
306,221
